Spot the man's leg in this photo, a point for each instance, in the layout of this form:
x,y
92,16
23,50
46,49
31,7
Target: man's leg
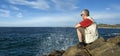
x,y
81,34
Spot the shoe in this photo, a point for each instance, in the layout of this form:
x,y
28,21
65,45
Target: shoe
x,y
81,45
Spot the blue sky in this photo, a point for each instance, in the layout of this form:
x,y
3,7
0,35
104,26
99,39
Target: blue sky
x,y
56,13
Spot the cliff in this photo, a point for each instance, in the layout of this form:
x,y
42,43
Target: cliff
x,y
99,48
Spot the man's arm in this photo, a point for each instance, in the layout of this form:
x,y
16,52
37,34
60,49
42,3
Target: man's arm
x,y
77,25
85,23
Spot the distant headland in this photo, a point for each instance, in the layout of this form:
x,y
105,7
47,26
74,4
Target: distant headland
x,y
108,25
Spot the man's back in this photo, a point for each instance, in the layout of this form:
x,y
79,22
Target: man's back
x,y
91,32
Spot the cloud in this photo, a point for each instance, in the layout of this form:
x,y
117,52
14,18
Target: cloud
x,y
14,8
8,11
65,4
10,7
45,4
19,15
51,20
4,13
39,4
105,15
107,8
59,20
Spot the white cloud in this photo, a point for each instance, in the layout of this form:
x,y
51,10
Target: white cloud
x,y
19,15
45,4
52,20
39,4
10,7
105,15
107,8
15,8
4,13
65,4
49,21
69,19
9,10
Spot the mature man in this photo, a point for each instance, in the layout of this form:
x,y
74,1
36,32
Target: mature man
x,y
87,29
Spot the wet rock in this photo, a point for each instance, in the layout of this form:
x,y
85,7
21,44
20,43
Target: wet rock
x,y
75,51
114,40
97,48
56,53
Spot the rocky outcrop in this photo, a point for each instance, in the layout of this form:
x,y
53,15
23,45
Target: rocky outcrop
x,y
56,53
114,40
98,48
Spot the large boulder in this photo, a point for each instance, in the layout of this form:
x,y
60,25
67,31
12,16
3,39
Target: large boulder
x,y
103,49
97,48
75,51
87,51
55,53
115,40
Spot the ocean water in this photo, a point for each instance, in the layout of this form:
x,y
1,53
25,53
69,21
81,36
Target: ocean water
x,y
37,41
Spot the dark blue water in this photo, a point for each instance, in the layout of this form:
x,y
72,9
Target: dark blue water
x,y
36,41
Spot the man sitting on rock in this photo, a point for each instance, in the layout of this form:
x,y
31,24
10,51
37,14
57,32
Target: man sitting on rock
x,y
86,30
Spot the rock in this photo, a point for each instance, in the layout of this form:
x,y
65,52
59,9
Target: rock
x,y
114,40
97,48
101,39
56,53
75,51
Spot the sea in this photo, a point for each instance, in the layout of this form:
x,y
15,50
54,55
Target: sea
x,y
39,41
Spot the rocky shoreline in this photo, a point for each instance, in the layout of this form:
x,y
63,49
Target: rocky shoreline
x,y
109,26
111,47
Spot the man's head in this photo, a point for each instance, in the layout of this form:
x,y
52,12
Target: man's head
x,y
85,13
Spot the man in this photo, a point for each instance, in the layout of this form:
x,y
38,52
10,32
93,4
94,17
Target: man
x,y
86,30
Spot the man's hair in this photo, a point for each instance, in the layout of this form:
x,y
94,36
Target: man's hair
x,y
86,12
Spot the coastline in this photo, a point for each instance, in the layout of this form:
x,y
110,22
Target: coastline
x,y
115,26
110,27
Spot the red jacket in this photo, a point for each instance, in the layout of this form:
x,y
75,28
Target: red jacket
x,y
86,22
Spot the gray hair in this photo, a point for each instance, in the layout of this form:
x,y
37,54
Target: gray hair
x,y
86,12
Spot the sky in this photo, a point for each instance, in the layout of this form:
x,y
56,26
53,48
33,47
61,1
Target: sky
x,y
56,13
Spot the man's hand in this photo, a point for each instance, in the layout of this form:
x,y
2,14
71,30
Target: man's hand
x,y
77,25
